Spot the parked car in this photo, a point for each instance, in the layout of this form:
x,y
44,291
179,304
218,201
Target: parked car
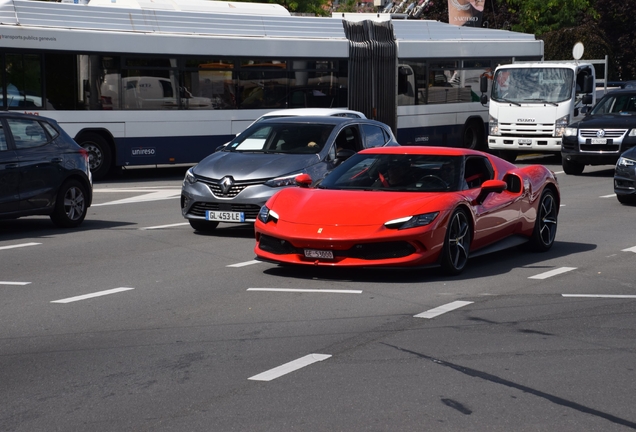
x,y
231,185
625,177
603,134
42,171
445,205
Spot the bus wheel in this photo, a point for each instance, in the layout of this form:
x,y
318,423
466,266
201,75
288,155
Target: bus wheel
x,y
472,136
99,154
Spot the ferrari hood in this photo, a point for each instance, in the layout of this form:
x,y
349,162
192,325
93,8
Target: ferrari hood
x,y
332,207
249,166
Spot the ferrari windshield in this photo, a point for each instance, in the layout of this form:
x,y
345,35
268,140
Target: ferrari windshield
x,y
542,85
294,138
391,172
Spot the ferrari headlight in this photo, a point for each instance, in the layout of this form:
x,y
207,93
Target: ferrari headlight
x,y
411,221
265,215
288,180
493,126
561,125
570,132
625,162
189,177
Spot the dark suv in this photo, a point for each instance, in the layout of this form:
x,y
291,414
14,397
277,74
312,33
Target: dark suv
x,y
603,134
42,171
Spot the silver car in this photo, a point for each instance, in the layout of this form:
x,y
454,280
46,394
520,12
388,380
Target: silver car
x,y
231,185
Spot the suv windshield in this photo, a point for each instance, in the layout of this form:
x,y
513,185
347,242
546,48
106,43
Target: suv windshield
x,y
547,85
616,103
282,138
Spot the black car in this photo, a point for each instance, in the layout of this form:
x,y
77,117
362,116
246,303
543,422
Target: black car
x,y
625,177
42,171
603,134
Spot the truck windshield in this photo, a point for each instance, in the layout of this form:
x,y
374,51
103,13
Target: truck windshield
x,y
541,85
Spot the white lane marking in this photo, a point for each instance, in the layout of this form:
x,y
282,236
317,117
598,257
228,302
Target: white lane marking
x,y
560,172
618,296
13,283
152,195
164,226
19,245
243,264
608,196
307,290
289,367
631,249
551,273
432,313
95,294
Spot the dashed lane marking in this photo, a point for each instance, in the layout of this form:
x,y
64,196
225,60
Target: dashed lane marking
x,y
608,196
95,294
432,313
19,245
307,290
243,264
631,249
13,283
290,367
551,273
164,226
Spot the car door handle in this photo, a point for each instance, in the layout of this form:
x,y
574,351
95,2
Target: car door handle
x,y
56,160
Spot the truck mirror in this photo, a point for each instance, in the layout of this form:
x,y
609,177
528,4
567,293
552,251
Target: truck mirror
x,y
588,84
483,84
484,99
587,99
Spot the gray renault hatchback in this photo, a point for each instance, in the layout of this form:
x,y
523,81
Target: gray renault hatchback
x,y
231,185
42,171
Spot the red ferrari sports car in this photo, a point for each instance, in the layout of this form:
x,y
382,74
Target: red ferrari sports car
x,y
410,206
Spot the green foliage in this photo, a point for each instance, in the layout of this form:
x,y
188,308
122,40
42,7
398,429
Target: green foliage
x,y
541,16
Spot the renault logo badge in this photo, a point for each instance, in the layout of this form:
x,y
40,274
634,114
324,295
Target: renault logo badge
x,y
226,184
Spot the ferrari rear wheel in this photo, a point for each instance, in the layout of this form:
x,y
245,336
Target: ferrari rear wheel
x,y
545,226
456,243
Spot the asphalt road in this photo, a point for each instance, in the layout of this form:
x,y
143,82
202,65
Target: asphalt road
x,y
134,322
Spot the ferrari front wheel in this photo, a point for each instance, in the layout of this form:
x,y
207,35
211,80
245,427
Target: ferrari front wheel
x,y
456,243
545,226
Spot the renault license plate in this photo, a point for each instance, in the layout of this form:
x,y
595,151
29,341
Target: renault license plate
x,y
318,254
224,216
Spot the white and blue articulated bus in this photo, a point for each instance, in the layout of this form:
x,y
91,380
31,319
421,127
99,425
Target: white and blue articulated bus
x,y
140,82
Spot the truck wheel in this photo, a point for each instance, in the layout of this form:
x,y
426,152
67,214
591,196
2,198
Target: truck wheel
x,y
571,167
99,154
472,136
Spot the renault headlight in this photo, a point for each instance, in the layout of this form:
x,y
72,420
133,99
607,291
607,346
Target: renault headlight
x,y
189,177
561,125
287,180
411,221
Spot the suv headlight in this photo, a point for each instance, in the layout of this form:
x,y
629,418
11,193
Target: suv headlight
x,y
287,180
493,126
632,132
570,132
561,125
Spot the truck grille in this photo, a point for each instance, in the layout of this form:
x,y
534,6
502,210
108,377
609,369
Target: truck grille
x,y
528,130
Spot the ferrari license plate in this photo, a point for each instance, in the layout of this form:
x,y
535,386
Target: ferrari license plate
x,y
598,141
225,216
525,141
319,254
